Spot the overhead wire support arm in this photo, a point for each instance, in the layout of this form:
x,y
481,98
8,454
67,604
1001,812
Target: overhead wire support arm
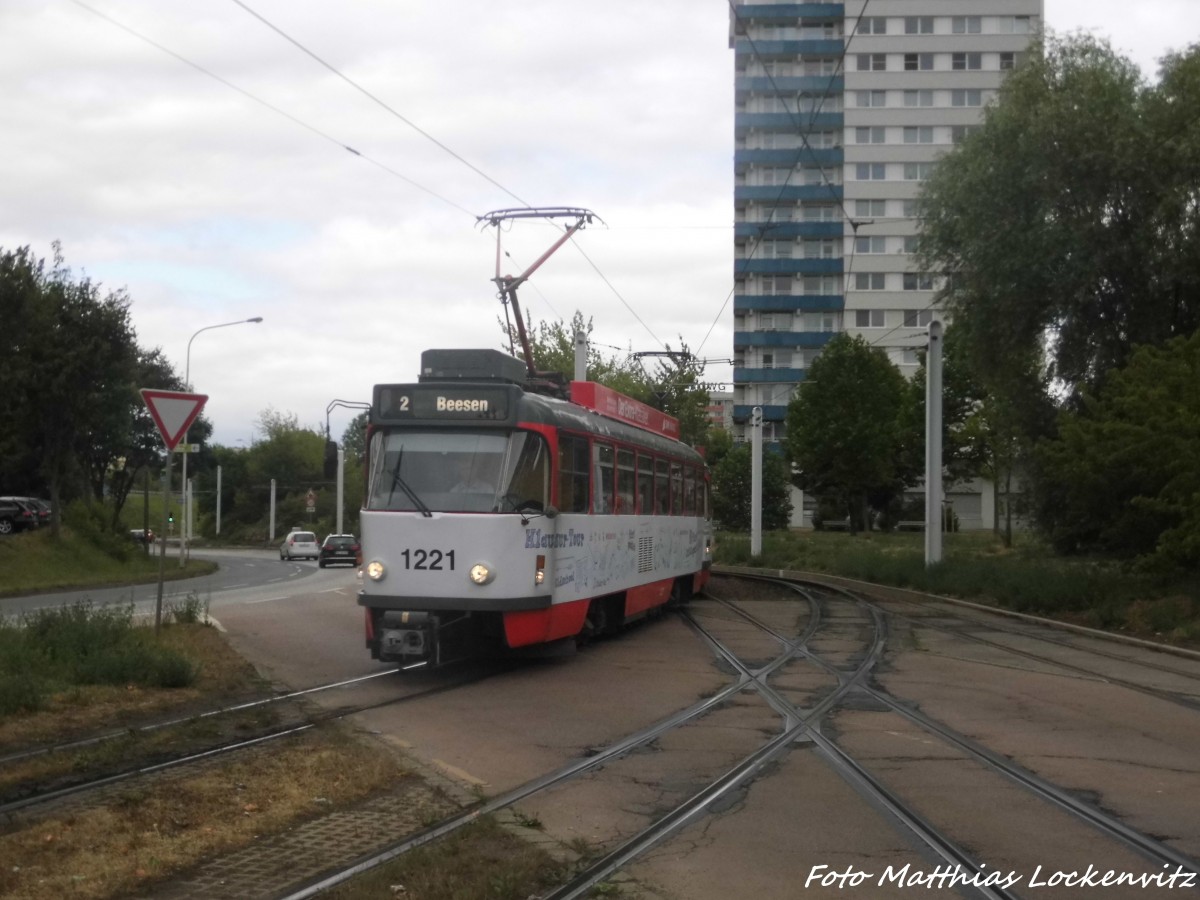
x,y
508,284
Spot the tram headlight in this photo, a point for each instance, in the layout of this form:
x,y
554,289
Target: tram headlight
x,y
376,570
539,572
481,573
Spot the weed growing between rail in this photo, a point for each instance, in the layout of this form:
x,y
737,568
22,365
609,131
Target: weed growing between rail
x,y
978,567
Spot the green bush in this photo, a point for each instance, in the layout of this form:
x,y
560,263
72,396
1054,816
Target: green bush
x,y
91,522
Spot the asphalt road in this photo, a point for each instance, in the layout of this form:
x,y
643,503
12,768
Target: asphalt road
x,y
242,576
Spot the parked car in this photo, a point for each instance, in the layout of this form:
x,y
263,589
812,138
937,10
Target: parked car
x,y
142,536
42,507
17,514
339,548
300,545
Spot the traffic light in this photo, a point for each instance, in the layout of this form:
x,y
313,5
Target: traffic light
x,y
331,459
170,517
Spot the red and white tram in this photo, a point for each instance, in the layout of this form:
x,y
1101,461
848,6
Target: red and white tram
x,y
499,517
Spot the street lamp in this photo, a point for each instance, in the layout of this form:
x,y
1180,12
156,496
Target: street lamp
x,y
185,531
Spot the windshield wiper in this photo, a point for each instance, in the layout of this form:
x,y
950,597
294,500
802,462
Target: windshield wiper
x,y
399,482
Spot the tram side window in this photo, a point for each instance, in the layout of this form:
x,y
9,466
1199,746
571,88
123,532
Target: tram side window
x,y
645,485
603,481
572,474
689,491
662,492
676,488
625,482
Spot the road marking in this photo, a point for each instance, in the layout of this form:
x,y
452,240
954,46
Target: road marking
x,y
267,600
232,586
215,624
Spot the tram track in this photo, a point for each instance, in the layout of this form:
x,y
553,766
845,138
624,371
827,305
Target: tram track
x,y
36,798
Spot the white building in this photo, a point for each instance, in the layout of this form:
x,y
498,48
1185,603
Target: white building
x,y
842,110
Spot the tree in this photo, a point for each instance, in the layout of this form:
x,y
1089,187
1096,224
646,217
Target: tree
x,y
354,440
1068,224
844,432
732,497
78,362
1126,469
674,387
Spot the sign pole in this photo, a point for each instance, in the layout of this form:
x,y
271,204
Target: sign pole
x,y
162,546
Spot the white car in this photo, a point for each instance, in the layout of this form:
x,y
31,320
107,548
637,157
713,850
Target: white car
x,y
300,545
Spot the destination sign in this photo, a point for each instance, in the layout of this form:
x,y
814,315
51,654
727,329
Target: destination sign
x,y
442,402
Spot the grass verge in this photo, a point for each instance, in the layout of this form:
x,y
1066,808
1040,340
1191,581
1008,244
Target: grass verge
x,y
35,561
976,566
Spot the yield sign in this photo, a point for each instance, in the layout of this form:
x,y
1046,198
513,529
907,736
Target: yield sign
x,y
173,412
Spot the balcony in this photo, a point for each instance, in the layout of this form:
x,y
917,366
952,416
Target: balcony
x,y
788,49
808,340
769,376
787,267
789,303
823,156
774,12
786,122
819,85
771,193
776,230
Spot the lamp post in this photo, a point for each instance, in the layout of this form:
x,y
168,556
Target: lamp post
x,y
185,531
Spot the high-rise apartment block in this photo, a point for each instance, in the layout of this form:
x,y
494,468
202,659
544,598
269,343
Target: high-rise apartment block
x,y
842,110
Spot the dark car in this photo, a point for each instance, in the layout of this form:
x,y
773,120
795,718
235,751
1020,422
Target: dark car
x,y
339,548
142,535
17,514
42,507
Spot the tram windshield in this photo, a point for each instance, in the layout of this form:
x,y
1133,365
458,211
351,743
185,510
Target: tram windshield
x,y
458,471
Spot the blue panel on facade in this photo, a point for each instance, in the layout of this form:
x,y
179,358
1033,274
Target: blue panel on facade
x,y
805,339
787,266
789,302
770,413
821,85
768,11
825,156
769,376
777,230
786,122
818,47
830,193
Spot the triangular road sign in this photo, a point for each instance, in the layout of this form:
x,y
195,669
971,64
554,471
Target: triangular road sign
x,y
173,412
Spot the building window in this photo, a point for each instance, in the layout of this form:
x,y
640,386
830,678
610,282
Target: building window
x,y
918,98
972,97
820,249
870,207
871,98
873,135
917,171
873,25
779,321
918,318
961,62
966,24
908,357
877,244
918,62
819,212
1008,61
910,243
820,66
1016,24
869,281
815,285
919,135
868,318
918,281
870,171
872,62
918,24
779,286
908,209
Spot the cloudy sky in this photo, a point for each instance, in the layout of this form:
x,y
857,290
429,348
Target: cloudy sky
x,y
195,156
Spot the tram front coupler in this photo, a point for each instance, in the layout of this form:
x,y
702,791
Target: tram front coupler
x,y
407,637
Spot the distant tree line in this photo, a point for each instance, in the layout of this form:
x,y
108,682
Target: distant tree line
x,y
1065,235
